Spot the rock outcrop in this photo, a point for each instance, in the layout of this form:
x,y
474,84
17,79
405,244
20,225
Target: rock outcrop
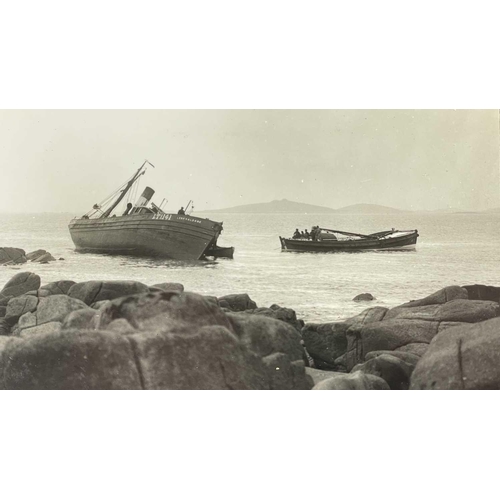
x,y
95,291
466,357
168,287
266,336
392,369
146,340
12,256
411,326
363,297
325,342
237,302
280,313
56,288
352,381
128,335
19,285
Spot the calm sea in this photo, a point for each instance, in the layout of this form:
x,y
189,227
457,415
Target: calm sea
x,y
457,249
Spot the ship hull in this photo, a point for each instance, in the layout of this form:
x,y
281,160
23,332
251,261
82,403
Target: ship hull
x,y
171,236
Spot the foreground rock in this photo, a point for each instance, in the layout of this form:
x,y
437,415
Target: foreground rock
x,y
20,284
237,302
325,342
458,310
412,326
440,297
466,357
408,357
392,369
17,306
150,340
280,313
354,381
266,336
95,291
483,292
164,312
50,309
128,335
168,287
56,288
210,358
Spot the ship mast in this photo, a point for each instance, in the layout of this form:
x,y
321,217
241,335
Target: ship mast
x,y
130,183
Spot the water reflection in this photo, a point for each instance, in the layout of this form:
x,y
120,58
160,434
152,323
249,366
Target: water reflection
x,y
153,262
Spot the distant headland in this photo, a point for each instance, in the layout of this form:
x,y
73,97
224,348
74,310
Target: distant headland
x,y
293,207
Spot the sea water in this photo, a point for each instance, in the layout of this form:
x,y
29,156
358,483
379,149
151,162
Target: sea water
x,y
453,249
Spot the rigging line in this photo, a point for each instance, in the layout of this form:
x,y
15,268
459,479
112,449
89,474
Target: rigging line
x,y
111,196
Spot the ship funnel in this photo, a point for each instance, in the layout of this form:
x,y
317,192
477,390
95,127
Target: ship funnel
x,y
146,195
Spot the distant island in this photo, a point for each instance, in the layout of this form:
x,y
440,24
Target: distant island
x,y
365,208
291,207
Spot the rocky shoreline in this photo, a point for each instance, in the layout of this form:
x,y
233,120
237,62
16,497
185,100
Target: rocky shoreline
x,y
129,335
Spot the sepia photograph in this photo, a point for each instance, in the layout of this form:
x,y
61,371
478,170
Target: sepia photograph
x,y
251,249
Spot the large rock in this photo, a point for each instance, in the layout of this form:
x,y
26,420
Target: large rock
x,y
34,255
95,291
70,360
352,381
211,358
386,335
27,320
325,342
408,357
355,324
121,325
459,310
284,374
5,328
390,368
3,311
466,357
440,297
237,302
82,319
51,327
318,376
363,297
56,288
280,313
443,325
4,342
266,336
370,315
19,285
483,292
417,348
18,306
169,287
164,312
12,255
43,259
53,308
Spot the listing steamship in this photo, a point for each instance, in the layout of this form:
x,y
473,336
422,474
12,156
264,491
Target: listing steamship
x,y
144,229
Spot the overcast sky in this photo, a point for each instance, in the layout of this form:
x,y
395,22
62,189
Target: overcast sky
x,y
65,161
